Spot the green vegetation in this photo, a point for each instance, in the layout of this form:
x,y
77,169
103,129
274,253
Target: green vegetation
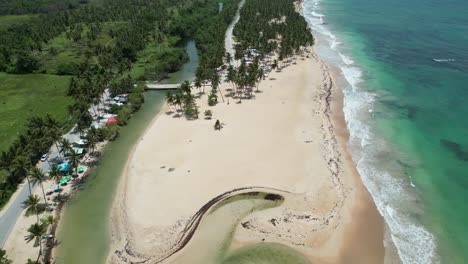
x,y
4,258
88,48
37,6
23,96
17,161
271,26
265,253
9,20
183,101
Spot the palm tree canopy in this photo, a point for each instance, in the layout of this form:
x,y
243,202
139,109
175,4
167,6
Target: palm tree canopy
x,y
66,145
37,175
21,165
36,231
3,257
74,158
49,220
32,204
54,172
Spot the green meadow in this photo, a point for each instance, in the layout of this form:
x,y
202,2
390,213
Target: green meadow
x,y
22,96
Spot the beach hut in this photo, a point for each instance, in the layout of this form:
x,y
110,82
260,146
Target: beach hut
x,y
112,120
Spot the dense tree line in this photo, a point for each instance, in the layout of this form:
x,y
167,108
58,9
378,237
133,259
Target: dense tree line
x,y
17,7
271,26
210,31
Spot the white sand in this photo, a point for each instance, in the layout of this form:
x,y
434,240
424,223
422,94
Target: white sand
x,y
285,138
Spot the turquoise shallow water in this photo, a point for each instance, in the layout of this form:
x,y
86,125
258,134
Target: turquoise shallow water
x,y
406,105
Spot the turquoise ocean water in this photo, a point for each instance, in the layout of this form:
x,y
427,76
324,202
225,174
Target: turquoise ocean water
x,y
406,105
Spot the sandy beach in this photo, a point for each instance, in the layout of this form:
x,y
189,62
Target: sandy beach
x,y
290,139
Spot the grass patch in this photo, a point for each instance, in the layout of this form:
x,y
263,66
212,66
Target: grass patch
x,y
27,95
8,20
265,253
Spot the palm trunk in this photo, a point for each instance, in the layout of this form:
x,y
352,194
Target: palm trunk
x,y
40,250
58,151
29,185
221,93
43,193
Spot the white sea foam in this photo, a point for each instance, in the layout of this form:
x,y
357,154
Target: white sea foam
x,y
392,194
443,60
345,58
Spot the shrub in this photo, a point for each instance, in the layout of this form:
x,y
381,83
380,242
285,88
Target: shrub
x,y
208,114
212,99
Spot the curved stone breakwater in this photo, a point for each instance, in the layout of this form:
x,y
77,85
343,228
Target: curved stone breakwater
x,y
127,255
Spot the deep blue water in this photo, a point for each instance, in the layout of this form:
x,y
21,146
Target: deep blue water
x,y
406,105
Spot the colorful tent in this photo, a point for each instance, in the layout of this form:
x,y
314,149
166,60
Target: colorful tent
x,y
112,120
64,167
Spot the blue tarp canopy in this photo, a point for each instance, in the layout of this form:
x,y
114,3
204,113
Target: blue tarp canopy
x,y
64,167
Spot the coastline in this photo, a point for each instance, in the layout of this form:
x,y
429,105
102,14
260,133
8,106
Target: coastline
x,y
356,218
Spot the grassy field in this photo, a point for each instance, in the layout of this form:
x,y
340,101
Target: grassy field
x,y
13,19
26,95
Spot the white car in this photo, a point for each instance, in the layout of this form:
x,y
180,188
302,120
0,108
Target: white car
x,y
44,157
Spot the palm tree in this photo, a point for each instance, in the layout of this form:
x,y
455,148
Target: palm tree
x,y
186,87
48,221
3,257
74,160
178,97
91,138
32,205
54,173
56,137
231,75
54,131
66,145
20,166
215,81
170,98
35,232
37,176
198,84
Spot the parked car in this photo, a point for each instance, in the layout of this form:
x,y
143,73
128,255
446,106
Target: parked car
x,y
44,157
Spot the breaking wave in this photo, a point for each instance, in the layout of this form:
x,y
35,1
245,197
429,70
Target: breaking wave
x,y
392,195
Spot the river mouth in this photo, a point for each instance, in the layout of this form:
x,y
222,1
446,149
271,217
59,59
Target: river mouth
x,y
84,233
213,239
